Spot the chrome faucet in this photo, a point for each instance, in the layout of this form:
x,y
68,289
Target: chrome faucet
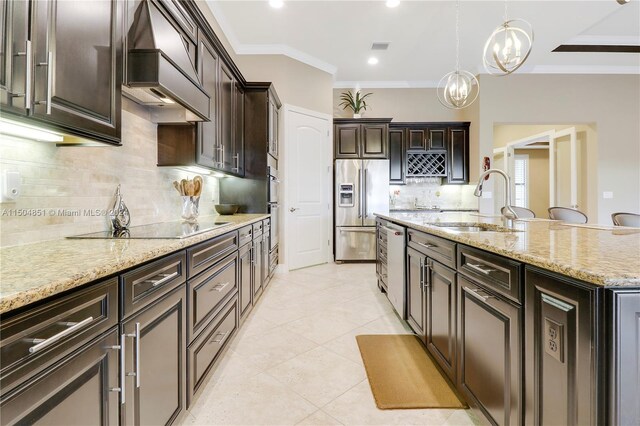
x,y
508,214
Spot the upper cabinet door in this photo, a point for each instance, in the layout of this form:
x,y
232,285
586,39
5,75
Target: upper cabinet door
x,y
417,139
15,56
273,128
207,153
347,138
458,156
374,141
238,139
437,138
77,66
227,117
397,156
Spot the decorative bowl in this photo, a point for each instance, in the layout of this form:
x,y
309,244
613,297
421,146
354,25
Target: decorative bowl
x,y
226,209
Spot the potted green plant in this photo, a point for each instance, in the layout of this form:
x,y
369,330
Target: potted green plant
x,y
357,103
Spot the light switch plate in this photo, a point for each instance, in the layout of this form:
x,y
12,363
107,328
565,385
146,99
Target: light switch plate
x,y
11,185
607,195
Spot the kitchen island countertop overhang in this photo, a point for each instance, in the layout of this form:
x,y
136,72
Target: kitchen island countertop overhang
x,y
598,255
33,272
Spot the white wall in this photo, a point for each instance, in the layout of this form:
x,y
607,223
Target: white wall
x,y
609,101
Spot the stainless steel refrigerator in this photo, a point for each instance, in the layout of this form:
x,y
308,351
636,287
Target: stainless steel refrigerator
x,y
361,189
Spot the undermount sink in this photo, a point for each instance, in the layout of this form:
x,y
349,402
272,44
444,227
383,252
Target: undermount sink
x,y
473,227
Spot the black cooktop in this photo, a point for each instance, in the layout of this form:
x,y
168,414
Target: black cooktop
x,y
165,230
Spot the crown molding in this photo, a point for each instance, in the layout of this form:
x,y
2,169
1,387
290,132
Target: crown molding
x,y
390,84
585,69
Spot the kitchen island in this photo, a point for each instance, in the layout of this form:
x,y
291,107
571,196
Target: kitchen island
x,y
534,323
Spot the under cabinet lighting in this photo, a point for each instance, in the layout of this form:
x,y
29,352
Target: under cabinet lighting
x,y
24,131
276,4
393,3
372,60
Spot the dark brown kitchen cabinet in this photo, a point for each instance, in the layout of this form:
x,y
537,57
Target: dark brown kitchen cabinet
x,y
258,267
67,72
440,315
237,158
416,291
80,389
561,360
155,346
490,354
273,127
436,138
208,152
361,138
226,117
417,139
246,278
397,156
15,56
458,155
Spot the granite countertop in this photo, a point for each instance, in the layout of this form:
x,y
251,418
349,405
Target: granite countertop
x,y
601,255
32,272
429,210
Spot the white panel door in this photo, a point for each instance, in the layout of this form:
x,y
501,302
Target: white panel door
x,y
308,181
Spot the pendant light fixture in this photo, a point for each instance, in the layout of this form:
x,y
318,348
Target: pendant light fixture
x,y
508,46
459,88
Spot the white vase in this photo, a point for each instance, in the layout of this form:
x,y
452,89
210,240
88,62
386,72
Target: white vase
x,y
357,116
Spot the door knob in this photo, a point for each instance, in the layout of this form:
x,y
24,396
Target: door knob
x,y
293,209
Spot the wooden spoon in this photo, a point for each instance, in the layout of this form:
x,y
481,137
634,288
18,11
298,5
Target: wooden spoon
x,y
197,181
183,185
176,185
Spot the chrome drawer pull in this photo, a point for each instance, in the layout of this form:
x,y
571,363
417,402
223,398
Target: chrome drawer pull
x,y
476,292
221,339
43,343
428,246
220,287
123,339
479,268
166,278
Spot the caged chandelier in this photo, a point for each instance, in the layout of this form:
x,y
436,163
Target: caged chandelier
x,y
508,46
459,88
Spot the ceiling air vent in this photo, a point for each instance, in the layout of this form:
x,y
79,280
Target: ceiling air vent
x,y
380,46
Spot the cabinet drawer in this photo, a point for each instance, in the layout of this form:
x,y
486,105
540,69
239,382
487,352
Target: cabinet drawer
x,y
245,235
257,229
266,224
34,340
145,284
208,253
204,351
208,289
437,248
500,274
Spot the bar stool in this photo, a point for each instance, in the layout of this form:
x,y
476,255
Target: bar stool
x,y
522,212
567,215
626,219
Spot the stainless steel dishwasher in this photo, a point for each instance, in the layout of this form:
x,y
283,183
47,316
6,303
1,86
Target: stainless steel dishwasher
x,y
396,291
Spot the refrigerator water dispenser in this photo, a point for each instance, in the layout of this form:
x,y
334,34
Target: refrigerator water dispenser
x,y
346,195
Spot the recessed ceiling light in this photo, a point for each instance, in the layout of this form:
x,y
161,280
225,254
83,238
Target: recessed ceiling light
x,y
276,4
372,60
393,3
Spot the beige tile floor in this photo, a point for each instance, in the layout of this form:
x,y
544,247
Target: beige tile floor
x,y
295,360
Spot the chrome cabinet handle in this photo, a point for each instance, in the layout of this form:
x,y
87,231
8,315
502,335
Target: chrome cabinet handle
x,y
43,343
220,287
123,340
358,230
421,274
395,231
479,268
221,338
166,278
136,336
27,82
49,65
237,167
476,293
427,271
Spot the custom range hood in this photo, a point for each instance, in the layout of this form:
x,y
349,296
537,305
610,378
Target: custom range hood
x,y
160,74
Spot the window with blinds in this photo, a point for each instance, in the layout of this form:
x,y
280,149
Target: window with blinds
x,y
520,181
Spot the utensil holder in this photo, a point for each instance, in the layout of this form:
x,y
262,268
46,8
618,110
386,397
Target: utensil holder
x,y
190,208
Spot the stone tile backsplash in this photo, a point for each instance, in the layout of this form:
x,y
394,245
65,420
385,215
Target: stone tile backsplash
x,y
431,193
60,183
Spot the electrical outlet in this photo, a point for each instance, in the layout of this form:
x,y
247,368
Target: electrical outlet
x,y
554,339
11,185
607,195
